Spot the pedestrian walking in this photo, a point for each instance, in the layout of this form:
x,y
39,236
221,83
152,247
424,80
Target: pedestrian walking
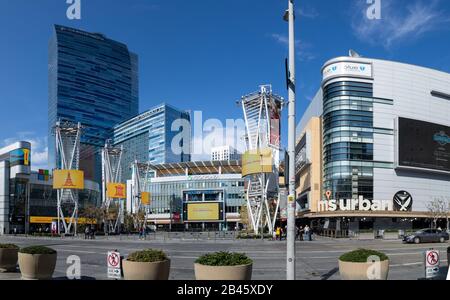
x,y
86,233
307,233
278,233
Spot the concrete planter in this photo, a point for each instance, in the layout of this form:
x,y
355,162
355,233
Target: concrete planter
x,y
358,271
8,259
37,266
146,270
203,272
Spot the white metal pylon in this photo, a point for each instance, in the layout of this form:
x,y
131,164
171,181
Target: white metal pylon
x,y
68,137
111,173
139,185
262,132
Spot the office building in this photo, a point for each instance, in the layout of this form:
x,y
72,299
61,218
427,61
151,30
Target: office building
x,y
92,80
27,198
385,145
194,196
224,153
159,135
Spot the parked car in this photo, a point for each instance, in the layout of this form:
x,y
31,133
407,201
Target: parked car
x,y
427,236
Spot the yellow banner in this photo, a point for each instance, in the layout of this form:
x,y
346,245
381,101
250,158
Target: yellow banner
x,y
145,198
116,190
203,212
49,220
26,157
257,161
68,179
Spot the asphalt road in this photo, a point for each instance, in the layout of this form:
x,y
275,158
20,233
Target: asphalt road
x,y
316,260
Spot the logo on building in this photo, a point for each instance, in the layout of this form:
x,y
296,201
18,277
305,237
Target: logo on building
x,y
403,201
359,204
441,138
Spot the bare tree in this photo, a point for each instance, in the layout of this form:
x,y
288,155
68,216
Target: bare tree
x,y
439,209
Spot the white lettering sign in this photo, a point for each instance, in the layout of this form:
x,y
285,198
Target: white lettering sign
x,y
360,204
347,69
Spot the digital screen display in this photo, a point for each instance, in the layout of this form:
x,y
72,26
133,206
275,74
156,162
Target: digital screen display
x,y
203,212
423,145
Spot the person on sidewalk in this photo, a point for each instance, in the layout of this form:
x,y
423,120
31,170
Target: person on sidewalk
x,y
86,232
307,233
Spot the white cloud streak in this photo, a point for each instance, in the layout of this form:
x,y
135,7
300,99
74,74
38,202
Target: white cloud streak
x,y
303,48
399,23
308,12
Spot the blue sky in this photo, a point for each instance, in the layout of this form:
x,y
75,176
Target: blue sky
x,y
204,55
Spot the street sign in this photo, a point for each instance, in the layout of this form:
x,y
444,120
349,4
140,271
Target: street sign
x,y
113,263
432,262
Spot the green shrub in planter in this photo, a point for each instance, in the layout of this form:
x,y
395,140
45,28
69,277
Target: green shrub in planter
x,y
8,257
37,250
37,262
223,266
355,265
9,246
361,256
146,265
148,255
224,259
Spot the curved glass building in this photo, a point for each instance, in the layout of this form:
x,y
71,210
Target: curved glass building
x,y
384,146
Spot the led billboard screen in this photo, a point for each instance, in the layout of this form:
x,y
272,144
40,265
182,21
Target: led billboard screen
x,y
423,145
203,212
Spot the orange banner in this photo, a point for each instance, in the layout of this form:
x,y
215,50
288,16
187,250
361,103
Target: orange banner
x,y
145,198
68,179
116,190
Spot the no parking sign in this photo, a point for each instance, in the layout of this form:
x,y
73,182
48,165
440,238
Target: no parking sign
x,y
432,263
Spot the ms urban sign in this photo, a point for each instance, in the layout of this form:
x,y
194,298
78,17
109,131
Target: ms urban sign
x,y
359,204
402,201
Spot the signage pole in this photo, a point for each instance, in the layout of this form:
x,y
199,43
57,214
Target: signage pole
x,y
290,257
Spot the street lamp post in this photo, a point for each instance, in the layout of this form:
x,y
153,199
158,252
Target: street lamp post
x,y
291,205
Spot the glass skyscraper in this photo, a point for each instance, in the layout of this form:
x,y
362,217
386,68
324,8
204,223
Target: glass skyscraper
x,y
148,137
92,80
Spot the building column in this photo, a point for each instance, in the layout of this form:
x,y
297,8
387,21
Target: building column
x,y
4,197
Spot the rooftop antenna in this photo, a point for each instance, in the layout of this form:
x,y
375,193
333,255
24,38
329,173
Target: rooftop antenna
x,y
353,53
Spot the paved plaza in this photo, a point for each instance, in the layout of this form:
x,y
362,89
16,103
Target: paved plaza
x,y
316,260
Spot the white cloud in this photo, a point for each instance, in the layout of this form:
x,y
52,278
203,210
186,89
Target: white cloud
x,y
308,12
39,148
398,24
303,48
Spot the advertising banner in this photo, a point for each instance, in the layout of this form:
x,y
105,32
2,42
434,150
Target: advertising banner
x,y
116,190
145,198
347,69
51,220
275,116
202,212
20,157
68,179
423,145
257,161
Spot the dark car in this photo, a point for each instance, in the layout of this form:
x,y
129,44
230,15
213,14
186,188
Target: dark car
x,y
427,236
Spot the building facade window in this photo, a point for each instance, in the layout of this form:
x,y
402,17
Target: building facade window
x,y
348,139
